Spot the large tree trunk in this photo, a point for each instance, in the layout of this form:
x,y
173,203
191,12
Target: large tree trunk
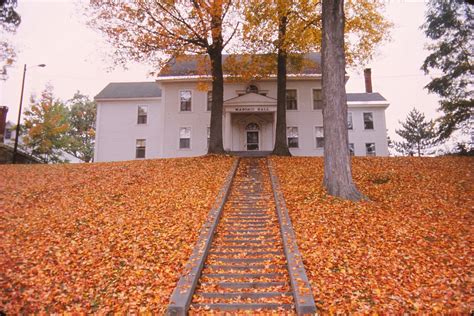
x,y
281,142
216,145
337,164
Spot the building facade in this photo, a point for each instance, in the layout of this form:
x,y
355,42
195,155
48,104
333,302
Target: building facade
x,y
170,117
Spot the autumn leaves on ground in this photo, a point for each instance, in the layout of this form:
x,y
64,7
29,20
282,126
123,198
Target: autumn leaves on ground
x,y
101,237
115,236
410,249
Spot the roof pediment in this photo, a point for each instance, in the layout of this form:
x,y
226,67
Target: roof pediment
x,y
251,99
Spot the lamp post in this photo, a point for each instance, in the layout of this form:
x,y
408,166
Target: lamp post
x,y
17,131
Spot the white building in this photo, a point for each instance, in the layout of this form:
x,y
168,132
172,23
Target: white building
x,y
170,117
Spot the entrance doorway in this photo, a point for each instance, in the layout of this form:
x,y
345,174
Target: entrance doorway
x,y
252,131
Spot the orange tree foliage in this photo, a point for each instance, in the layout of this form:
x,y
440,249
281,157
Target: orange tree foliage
x,y
102,237
409,249
365,28
46,125
154,32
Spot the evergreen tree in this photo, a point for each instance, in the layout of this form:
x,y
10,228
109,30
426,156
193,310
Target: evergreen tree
x,y
9,18
449,24
9,21
46,127
81,133
418,134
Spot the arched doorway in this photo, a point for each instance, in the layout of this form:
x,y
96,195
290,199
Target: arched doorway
x,y
253,136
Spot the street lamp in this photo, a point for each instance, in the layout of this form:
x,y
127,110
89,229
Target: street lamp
x,y
17,132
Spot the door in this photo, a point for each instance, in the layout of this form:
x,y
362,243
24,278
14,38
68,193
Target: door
x,y
252,140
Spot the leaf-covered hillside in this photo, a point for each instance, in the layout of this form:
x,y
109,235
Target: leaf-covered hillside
x,y
407,250
100,237
115,236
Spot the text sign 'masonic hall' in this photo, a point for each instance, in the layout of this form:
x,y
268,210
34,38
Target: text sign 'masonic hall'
x,y
253,109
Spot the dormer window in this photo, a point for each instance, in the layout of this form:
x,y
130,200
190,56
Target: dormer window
x,y
252,89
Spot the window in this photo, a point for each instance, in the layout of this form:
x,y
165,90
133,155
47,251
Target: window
x,y
209,101
185,100
185,137
370,149
252,127
368,121
319,133
317,99
291,100
251,89
292,135
208,136
8,133
351,149
140,148
349,121
142,114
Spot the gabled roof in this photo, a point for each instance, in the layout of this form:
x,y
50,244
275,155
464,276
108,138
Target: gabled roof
x,y
251,99
365,97
130,90
198,65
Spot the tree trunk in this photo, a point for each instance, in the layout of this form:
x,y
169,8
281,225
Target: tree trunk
x,y
216,145
337,163
281,142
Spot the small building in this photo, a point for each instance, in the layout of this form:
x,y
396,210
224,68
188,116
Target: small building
x,y
170,117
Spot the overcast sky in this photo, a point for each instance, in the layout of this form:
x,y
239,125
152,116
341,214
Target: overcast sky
x,y
54,33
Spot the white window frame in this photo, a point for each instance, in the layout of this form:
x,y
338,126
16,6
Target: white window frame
x,y
353,149
144,148
297,136
312,99
315,136
190,137
367,152
373,122
349,115
138,114
8,134
297,101
179,101
207,101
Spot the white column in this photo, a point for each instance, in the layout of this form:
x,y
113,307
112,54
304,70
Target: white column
x,y
274,129
227,131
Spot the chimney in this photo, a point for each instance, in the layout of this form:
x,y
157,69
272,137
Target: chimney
x,y
3,121
368,80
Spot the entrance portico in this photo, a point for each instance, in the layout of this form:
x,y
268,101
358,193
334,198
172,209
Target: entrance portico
x,y
249,123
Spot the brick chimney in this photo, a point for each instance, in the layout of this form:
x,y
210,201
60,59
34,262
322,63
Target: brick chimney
x,y
3,121
368,80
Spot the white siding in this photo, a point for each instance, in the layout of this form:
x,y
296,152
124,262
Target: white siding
x,y
117,129
305,118
197,119
360,136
